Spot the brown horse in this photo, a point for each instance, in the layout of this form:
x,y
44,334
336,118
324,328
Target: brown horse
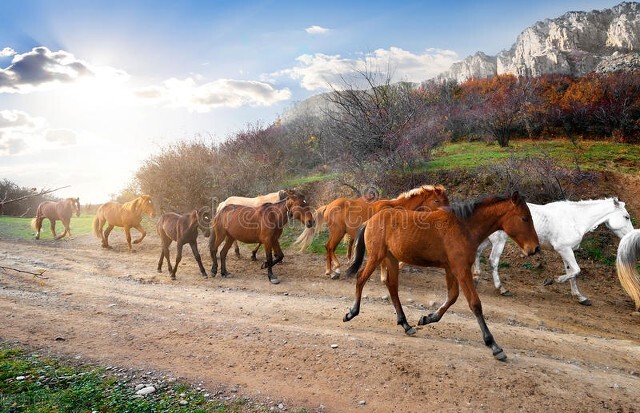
x,y
261,224
447,238
345,216
62,210
127,215
253,202
184,230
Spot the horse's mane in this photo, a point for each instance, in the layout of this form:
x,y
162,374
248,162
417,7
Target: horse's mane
x,y
464,210
591,201
419,191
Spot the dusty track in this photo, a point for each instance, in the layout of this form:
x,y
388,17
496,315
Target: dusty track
x,y
112,308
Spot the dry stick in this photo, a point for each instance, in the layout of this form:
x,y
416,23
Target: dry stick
x,y
35,274
42,192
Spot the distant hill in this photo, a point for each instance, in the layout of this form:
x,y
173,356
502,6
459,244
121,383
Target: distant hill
x,y
575,43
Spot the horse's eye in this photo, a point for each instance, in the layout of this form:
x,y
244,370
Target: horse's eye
x,y
525,219
627,218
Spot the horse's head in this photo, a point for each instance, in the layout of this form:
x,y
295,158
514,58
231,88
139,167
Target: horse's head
x,y
76,205
518,224
145,205
298,208
427,197
203,217
619,221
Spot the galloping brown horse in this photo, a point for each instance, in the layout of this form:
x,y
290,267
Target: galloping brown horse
x,y
345,216
127,215
447,238
261,224
62,210
184,230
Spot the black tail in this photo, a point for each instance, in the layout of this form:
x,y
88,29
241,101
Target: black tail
x,y
359,247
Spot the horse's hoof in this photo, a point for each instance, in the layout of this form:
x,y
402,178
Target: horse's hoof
x,y
586,302
274,280
423,320
548,281
335,275
173,277
506,293
159,271
500,356
347,317
254,258
410,331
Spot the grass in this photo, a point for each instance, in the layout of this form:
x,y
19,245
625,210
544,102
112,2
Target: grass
x,y
20,228
589,155
49,385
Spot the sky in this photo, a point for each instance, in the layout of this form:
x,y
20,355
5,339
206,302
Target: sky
x,y
89,90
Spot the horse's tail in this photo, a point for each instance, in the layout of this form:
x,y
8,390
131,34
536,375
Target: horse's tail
x,y
38,216
359,250
305,239
628,254
96,224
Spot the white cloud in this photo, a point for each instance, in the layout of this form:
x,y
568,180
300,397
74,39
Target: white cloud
x,y
6,52
316,30
21,133
41,68
320,71
187,93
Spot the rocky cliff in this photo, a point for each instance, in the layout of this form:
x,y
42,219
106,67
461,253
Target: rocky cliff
x,y
576,43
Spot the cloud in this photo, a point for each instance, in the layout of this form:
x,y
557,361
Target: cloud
x,y
21,132
316,30
187,93
61,136
6,52
321,71
41,68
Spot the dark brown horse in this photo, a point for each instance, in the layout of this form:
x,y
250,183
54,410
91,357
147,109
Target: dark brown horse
x,y
127,215
62,210
447,238
183,229
261,224
345,216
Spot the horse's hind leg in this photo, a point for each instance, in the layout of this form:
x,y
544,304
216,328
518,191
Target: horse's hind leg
x,y
196,255
254,252
52,224
393,271
333,265
179,246
38,227
236,249
223,256
105,236
494,261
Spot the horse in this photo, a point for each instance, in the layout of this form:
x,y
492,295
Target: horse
x,y
628,255
254,202
447,238
562,225
62,210
261,224
344,216
127,215
184,230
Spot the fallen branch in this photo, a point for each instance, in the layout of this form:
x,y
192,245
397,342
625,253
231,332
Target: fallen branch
x,y
35,274
42,192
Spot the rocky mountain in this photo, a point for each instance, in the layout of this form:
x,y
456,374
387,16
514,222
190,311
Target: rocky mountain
x,y
575,43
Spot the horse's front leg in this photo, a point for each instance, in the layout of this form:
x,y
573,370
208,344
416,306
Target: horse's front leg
x,y
465,279
393,271
453,290
142,232
214,243
572,270
269,264
196,255
67,230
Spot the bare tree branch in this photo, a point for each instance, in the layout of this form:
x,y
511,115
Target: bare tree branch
x,y
35,274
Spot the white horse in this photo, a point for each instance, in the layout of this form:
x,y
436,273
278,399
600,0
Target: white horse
x,y
628,255
252,202
561,226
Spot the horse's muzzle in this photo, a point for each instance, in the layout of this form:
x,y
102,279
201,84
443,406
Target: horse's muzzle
x,y
528,250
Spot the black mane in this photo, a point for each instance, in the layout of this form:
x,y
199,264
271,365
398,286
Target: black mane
x,y
464,210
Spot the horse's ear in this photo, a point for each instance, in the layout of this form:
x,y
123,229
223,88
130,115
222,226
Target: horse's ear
x,y
515,197
616,202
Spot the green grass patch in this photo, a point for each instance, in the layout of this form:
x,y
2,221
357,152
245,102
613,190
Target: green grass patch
x,y
589,155
299,181
30,384
20,228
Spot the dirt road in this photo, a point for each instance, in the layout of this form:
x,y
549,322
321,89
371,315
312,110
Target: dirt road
x,y
288,343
